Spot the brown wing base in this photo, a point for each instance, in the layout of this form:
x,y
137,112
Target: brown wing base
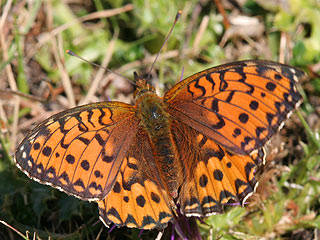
x,y
137,199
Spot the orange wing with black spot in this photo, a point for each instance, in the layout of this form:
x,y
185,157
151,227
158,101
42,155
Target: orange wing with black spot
x,y
79,151
213,175
238,105
138,198
223,116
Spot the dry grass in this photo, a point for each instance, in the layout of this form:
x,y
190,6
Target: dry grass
x,y
126,37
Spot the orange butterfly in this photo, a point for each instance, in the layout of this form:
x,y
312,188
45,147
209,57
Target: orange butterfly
x,y
194,149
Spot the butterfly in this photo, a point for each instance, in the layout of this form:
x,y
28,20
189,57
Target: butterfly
x,y
190,151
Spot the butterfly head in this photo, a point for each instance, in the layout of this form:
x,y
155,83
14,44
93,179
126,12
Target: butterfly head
x,y
142,86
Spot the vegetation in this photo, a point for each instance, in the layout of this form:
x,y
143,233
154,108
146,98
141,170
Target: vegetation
x,y
125,36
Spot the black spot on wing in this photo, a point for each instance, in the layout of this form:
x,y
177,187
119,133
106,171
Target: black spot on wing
x,y
203,181
47,151
97,174
117,187
214,105
106,158
141,201
155,197
243,117
84,140
99,139
271,86
85,165
236,132
218,175
277,76
219,124
132,166
254,105
36,146
70,159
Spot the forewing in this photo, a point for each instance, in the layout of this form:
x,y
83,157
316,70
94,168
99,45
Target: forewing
x,y
213,175
79,151
138,198
239,105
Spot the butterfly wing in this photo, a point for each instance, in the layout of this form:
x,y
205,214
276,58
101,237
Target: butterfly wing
x,y
213,175
138,198
79,151
239,105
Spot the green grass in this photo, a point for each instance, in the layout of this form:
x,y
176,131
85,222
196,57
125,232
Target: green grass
x,y
286,205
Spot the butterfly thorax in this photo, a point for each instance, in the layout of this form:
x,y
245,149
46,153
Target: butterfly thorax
x,y
156,121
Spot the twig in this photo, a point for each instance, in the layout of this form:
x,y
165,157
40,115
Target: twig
x,y
5,14
66,82
92,16
3,116
223,13
13,229
95,83
29,96
149,59
195,14
102,14
199,35
13,86
309,131
283,47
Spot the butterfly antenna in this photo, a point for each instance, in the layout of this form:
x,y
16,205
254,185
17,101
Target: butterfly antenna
x,y
71,53
165,41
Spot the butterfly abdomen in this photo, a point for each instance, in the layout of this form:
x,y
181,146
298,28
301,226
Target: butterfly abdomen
x,y
155,120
